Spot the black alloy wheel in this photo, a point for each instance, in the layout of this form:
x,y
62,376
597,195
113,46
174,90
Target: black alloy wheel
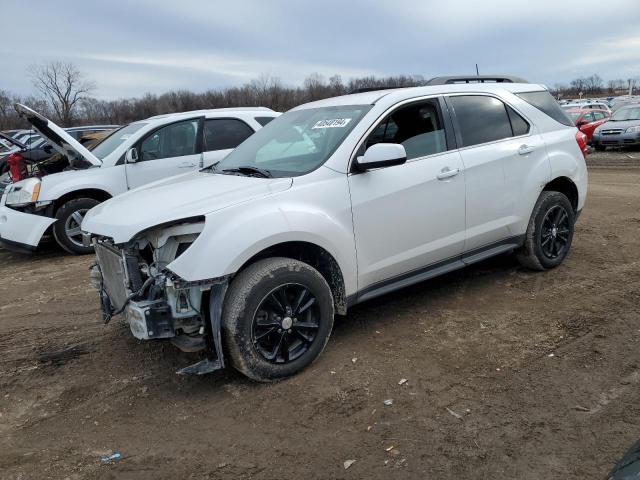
x,y
286,323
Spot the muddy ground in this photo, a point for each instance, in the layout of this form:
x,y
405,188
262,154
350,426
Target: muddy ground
x,y
510,374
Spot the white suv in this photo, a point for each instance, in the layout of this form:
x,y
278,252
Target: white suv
x,y
56,196
333,203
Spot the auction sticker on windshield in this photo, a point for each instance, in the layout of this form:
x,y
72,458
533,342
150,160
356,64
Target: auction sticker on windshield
x,y
332,123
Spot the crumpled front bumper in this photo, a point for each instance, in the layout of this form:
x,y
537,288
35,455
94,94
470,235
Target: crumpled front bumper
x,y
21,231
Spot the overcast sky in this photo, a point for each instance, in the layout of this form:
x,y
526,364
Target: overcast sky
x,y
132,47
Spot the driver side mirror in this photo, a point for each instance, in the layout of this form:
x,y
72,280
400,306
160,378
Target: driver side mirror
x,y
381,155
131,156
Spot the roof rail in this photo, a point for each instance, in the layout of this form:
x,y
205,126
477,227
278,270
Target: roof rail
x,y
475,79
373,89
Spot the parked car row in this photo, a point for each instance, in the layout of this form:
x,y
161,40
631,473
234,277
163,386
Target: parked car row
x,y
249,254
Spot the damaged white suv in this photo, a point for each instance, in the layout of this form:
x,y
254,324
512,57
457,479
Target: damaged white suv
x,y
333,203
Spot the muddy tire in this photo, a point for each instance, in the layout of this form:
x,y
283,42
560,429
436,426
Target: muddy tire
x,y
549,233
67,231
277,318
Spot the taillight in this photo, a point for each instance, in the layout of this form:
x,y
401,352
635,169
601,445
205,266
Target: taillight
x,y
581,139
17,167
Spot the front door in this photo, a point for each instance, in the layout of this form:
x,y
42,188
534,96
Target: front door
x,y
167,151
410,217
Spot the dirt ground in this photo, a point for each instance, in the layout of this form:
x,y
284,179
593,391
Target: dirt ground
x,y
510,374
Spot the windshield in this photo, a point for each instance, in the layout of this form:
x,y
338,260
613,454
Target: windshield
x,y
627,114
117,138
297,142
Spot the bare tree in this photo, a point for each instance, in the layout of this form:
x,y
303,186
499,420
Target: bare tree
x,y
63,86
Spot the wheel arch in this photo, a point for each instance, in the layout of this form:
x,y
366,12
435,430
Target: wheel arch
x,y
315,256
565,186
95,193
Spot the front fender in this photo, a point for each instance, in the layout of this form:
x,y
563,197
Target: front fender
x,y
108,179
234,235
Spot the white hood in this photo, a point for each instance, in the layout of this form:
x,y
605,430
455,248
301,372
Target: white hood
x,y
174,199
60,140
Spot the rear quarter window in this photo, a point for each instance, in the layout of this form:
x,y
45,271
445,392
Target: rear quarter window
x,y
544,102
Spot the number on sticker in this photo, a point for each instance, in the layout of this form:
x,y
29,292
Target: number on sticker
x,y
332,123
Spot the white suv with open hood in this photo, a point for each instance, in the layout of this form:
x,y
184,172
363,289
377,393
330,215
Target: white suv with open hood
x,y
134,155
333,203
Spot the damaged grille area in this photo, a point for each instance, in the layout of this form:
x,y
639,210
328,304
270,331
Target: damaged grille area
x,y
114,276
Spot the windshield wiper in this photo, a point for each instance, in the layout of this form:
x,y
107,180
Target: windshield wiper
x,y
211,167
249,170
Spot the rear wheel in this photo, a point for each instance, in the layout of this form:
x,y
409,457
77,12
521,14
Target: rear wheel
x,y
549,233
66,230
277,318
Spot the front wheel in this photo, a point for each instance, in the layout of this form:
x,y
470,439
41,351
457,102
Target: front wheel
x,y
277,318
549,233
67,231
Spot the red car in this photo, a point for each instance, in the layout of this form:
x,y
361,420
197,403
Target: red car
x,y
588,119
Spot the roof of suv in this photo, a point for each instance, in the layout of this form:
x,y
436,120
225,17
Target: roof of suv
x,y
212,111
370,98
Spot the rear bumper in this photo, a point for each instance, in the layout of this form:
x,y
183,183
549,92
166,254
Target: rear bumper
x,y
22,230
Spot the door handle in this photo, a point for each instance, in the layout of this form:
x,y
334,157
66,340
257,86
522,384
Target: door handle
x,y
447,172
525,149
186,165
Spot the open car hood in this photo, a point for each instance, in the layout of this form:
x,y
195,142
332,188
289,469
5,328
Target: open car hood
x,y
60,140
12,141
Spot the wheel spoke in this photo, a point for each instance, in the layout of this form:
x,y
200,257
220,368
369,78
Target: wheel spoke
x,y
78,217
306,325
299,300
546,240
558,216
304,336
74,232
274,353
265,333
277,303
310,302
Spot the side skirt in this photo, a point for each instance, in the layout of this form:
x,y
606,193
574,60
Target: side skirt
x,y
425,273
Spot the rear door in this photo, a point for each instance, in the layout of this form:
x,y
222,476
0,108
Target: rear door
x,y
500,150
221,136
167,151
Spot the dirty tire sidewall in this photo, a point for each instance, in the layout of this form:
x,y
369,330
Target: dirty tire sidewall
x,y
531,255
63,213
243,298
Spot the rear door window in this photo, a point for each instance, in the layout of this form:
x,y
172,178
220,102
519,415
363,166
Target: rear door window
x,y
225,133
481,119
518,124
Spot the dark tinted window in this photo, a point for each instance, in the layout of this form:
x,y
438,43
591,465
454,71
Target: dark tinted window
x,y
418,127
544,102
481,119
518,124
263,120
225,133
175,140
